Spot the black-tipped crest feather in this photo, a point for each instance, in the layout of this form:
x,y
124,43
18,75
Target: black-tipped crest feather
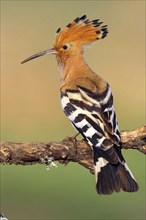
x,y
82,31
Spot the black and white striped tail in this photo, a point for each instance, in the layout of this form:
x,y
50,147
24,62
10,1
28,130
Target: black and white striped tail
x,y
112,177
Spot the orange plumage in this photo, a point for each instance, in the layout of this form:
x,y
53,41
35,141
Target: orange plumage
x,y
81,32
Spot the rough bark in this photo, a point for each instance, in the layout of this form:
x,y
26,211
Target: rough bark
x,y
65,151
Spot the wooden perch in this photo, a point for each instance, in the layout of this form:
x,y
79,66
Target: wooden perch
x,y
65,151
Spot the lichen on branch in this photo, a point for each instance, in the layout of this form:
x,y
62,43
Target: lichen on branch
x,y
65,151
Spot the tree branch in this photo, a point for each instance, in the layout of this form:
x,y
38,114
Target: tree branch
x,y
65,151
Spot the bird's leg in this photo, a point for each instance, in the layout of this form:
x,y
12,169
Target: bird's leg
x,y
48,161
75,136
73,139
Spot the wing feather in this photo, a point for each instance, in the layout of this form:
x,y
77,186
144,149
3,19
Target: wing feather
x,y
85,113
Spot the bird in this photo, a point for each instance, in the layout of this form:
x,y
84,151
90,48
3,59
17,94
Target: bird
x,y
87,101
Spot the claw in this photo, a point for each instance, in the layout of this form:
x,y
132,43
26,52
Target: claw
x,y
73,139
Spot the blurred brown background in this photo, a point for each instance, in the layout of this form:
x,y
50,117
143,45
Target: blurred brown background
x,y
31,111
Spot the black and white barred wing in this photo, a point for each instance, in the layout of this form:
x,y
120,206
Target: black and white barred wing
x,y
94,117
104,112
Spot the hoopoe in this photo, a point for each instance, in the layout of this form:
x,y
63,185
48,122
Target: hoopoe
x,y
87,101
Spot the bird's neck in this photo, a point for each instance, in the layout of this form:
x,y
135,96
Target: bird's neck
x,y
73,68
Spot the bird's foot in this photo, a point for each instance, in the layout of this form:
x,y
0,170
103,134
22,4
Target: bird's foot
x,y
73,139
49,162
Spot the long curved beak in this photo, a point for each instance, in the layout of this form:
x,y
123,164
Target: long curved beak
x,y
39,54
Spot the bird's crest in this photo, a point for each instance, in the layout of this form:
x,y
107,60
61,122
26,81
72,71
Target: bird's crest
x,y
82,31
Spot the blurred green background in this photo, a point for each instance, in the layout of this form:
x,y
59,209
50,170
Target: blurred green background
x,y
30,106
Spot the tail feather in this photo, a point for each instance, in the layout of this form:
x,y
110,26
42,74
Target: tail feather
x,y
127,180
113,177
107,181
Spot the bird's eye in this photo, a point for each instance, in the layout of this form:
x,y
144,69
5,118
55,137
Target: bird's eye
x,y
65,47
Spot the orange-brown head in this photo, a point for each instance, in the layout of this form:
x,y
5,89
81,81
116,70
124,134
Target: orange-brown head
x,y
70,40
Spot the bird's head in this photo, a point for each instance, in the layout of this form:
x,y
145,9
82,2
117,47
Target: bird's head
x,y
70,40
